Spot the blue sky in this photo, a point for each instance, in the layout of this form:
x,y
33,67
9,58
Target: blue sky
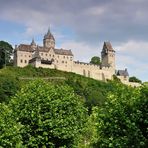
x,y
82,26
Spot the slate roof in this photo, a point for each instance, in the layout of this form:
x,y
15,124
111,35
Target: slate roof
x,y
108,46
63,52
49,35
122,72
28,48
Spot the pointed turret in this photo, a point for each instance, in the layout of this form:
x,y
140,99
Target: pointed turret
x,y
33,44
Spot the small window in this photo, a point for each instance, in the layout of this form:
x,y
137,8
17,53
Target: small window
x,y
66,62
57,61
53,55
41,53
64,57
21,61
25,61
62,61
46,54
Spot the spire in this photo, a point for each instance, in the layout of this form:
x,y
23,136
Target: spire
x,y
33,42
49,30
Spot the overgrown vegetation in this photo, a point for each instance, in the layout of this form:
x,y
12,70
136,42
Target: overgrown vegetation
x,y
72,112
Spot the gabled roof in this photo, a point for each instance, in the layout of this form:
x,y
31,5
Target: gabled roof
x,y
63,52
122,72
26,48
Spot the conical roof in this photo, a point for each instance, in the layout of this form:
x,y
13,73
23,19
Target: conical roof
x,y
49,35
33,42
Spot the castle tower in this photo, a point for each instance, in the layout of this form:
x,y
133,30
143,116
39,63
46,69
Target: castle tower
x,y
49,40
108,56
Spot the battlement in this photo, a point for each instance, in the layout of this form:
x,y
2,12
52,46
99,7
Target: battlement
x,y
86,64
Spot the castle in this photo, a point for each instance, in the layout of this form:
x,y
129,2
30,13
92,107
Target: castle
x,y
47,56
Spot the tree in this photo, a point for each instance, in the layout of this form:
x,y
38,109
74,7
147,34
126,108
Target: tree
x,y
52,116
6,51
9,129
9,85
122,122
134,79
95,60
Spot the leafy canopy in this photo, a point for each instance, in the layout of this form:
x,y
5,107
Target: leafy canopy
x,y
6,51
122,122
134,79
95,60
51,115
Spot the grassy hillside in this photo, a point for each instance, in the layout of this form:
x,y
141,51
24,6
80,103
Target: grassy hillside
x,y
13,78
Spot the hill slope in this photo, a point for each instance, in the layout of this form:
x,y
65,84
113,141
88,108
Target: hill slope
x,y
93,91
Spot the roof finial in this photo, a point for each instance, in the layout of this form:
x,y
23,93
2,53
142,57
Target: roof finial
x,y
48,30
33,42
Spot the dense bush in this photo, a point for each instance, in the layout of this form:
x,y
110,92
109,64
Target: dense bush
x,y
52,116
122,121
9,128
8,87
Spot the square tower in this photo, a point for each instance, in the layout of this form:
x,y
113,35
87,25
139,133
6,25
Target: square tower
x,y
108,56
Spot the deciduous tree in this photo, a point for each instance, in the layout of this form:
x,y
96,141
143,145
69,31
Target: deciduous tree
x,y
52,116
6,51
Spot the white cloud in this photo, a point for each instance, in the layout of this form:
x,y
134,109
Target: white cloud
x,y
133,55
82,51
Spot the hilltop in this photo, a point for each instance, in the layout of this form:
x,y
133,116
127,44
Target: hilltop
x,y
92,91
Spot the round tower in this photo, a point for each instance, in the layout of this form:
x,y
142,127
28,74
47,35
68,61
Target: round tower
x,y
49,41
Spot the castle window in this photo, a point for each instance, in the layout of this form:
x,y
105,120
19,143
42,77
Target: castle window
x,y
25,61
57,61
53,55
41,53
21,61
67,57
29,56
58,56
64,57
46,54
70,58
62,61
66,62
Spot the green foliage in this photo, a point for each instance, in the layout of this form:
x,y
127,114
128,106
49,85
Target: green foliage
x,y
5,53
52,116
94,92
134,79
9,129
8,87
122,122
116,79
95,60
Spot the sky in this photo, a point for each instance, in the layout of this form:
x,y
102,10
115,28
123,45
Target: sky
x,y
82,26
